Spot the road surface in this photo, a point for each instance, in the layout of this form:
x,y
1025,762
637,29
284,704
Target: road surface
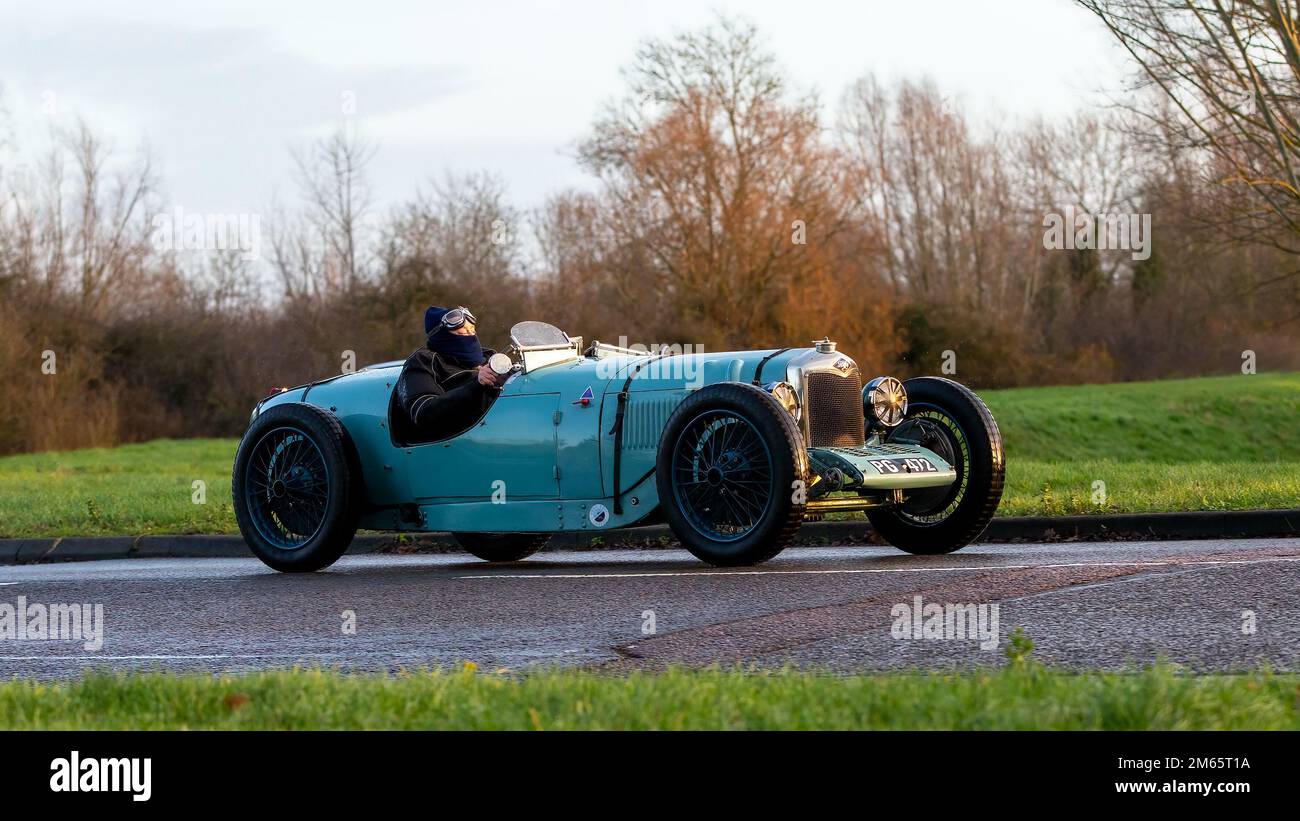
x,y
1208,605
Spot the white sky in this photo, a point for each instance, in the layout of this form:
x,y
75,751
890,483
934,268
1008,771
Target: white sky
x,y
221,89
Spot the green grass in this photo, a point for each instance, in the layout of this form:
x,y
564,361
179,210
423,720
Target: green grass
x,y
130,490
1216,443
1212,419
1057,488
1020,696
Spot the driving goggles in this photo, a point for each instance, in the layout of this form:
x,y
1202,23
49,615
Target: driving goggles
x,y
456,318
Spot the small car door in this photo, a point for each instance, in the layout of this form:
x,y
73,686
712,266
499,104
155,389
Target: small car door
x,y
510,452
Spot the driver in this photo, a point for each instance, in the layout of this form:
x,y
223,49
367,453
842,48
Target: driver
x,y
446,386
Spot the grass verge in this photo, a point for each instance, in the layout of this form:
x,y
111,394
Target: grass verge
x,y
1019,696
132,490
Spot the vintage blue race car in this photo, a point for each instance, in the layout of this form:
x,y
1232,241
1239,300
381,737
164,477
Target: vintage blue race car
x,y
733,450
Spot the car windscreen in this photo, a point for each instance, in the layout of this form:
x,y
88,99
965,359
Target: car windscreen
x,y
532,333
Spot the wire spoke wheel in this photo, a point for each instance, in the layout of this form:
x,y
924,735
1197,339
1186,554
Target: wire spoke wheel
x,y
730,469
948,419
722,475
286,486
296,488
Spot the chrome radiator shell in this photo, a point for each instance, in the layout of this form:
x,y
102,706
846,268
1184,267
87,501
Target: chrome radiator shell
x,y
830,393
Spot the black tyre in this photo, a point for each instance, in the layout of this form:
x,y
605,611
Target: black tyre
x,y
949,419
502,547
295,487
730,469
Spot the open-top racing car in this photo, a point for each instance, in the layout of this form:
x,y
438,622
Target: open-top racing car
x,y
733,450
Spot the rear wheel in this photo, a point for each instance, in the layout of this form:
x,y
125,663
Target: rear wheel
x,y
729,471
294,488
949,419
501,547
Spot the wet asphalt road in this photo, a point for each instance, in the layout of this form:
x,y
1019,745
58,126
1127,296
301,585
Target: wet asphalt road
x,y
1208,605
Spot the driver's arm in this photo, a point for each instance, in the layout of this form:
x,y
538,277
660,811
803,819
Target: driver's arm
x,y
426,401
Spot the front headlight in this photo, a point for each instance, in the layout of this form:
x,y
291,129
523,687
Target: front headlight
x,y
786,395
884,401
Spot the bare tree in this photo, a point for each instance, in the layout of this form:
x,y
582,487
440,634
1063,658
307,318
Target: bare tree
x,y
110,238
937,198
1091,163
226,285
457,233
323,251
456,242
1230,71
82,233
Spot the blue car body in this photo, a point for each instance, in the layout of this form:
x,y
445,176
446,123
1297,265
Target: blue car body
x,y
548,456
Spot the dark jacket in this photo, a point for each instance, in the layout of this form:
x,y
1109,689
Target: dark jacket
x,y
439,397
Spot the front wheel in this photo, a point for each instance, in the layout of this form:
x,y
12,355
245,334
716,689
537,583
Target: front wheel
x,y
949,419
295,488
730,471
501,547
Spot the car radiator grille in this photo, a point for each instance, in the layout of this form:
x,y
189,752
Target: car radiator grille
x,y
834,406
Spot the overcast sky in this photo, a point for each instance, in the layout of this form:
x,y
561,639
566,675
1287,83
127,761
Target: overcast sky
x,y
220,90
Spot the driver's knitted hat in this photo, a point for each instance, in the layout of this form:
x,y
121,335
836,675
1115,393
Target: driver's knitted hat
x,y
432,317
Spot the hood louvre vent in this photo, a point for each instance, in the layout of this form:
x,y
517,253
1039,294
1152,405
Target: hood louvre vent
x,y
647,414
